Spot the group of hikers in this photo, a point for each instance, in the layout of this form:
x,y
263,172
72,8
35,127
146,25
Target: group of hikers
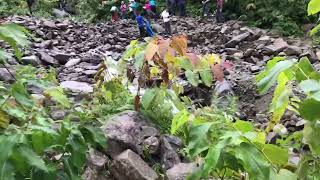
x,y
143,12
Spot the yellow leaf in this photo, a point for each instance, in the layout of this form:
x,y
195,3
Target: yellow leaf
x,y
4,119
213,59
180,44
154,71
151,50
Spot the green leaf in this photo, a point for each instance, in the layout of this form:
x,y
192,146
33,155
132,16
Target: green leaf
x,y
305,70
32,158
285,174
19,92
206,77
6,147
148,98
269,79
270,64
78,153
96,135
179,120
309,109
7,171
315,30
243,126
277,155
253,161
313,7
310,85
193,78
311,133
56,93
139,60
198,138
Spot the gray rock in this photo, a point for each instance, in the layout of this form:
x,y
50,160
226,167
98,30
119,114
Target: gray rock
x,y
129,165
5,75
58,114
62,57
152,144
181,171
96,158
48,59
32,60
59,13
75,86
293,50
124,131
237,39
264,40
72,62
49,24
278,46
169,148
158,28
254,69
310,55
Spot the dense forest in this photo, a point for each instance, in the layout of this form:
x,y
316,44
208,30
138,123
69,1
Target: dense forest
x,y
96,90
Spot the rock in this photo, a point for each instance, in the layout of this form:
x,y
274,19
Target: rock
x,y
293,50
58,114
48,59
310,55
254,69
49,24
158,28
72,62
96,158
170,146
75,86
59,13
129,165
264,40
5,75
124,131
90,72
62,57
181,171
222,87
62,26
278,46
32,60
152,144
237,39
248,52
34,89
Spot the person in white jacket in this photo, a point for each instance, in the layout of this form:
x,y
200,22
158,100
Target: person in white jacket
x,y
166,19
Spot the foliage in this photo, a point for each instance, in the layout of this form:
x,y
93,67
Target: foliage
x,y
33,146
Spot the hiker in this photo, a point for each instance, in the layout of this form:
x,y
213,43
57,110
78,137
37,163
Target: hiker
x,y
123,9
166,19
30,5
153,4
141,24
149,29
205,8
147,9
133,9
114,14
219,6
182,7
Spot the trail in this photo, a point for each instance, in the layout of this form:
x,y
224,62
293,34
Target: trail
x,y
77,50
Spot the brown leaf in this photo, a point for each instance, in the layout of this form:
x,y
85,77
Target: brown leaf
x,y
130,74
163,45
151,50
137,102
180,44
217,72
193,58
165,76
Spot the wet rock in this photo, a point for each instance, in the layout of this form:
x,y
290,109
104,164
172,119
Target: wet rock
x,y
78,87
48,59
181,171
5,75
124,131
170,146
237,39
32,60
72,62
293,50
129,165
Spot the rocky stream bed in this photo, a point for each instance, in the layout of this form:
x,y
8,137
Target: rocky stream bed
x,y
77,50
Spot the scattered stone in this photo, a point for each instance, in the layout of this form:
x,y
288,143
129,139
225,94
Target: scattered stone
x,y
72,62
59,13
48,59
129,165
77,87
58,114
181,171
237,39
62,57
5,75
158,28
49,24
254,69
32,60
293,50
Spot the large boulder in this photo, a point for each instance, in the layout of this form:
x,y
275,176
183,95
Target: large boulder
x,y
129,165
181,171
128,130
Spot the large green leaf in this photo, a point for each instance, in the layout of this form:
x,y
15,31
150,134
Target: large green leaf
x,y
313,7
286,175
56,93
198,138
19,92
277,155
271,76
311,133
179,120
243,126
206,77
309,109
32,158
305,70
7,171
148,98
253,161
96,134
192,77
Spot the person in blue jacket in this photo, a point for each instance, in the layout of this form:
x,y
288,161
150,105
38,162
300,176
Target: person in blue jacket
x,y
144,26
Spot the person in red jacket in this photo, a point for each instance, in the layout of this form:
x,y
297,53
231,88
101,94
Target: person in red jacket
x,y
219,5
